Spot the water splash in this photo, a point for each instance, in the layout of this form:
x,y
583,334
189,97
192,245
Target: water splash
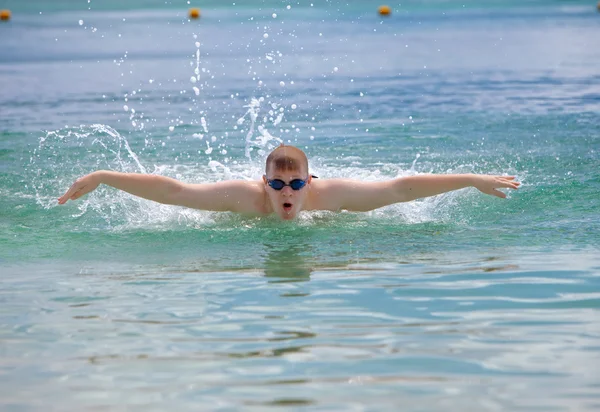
x,y
62,153
121,142
265,140
196,77
414,163
66,154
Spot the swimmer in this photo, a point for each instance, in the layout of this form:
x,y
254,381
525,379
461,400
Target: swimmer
x,y
287,188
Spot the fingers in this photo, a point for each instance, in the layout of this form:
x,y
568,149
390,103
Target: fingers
x,y
508,182
63,199
491,183
511,185
74,192
498,193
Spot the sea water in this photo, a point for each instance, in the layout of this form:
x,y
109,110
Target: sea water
x,y
457,302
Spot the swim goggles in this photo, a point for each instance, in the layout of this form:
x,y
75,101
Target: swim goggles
x,y
295,184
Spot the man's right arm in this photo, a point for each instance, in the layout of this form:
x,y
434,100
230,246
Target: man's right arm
x,y
234,195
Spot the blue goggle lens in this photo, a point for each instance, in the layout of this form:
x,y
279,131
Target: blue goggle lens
x,y
279,184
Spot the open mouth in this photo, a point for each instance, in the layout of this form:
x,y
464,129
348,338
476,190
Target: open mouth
x,y
287,207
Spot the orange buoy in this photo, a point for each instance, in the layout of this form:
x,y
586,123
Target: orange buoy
x,y
194,13
598,6
384,10
5,15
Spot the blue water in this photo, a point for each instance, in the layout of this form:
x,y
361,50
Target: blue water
x,y
457,302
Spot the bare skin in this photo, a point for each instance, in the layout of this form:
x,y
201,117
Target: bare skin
x,y
258,198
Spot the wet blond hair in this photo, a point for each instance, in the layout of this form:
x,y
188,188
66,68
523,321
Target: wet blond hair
x,y
286,158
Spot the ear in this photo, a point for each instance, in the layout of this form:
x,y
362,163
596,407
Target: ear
x,y
264,179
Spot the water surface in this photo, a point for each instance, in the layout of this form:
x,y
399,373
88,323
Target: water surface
x,y
461,301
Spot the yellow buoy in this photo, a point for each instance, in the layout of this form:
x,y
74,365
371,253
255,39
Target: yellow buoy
x,y
384,10
194,13
5,15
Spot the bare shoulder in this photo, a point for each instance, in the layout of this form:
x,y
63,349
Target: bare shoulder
x,y
240,196
244,196
329,194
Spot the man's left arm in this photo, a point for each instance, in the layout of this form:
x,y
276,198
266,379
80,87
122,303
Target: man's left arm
x,y
416,187
360,196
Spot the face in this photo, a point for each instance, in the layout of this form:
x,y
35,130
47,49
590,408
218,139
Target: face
x,y
287,203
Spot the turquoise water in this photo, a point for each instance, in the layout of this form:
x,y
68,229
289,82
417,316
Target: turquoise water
x,y
457,302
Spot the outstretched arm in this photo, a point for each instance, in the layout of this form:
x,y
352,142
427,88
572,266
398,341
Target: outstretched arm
x,y
363,196
234,195
416,187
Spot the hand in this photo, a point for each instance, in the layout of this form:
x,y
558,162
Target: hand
x,y
489,184
82,186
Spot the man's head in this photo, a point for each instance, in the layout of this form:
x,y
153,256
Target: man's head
x,y
286,169
286,158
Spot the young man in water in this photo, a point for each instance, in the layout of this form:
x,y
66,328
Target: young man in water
x,y
286,189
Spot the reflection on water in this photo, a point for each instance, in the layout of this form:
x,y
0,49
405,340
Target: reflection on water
x,y
288,262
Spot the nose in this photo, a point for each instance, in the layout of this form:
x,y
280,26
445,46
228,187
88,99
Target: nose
x,y
287,191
